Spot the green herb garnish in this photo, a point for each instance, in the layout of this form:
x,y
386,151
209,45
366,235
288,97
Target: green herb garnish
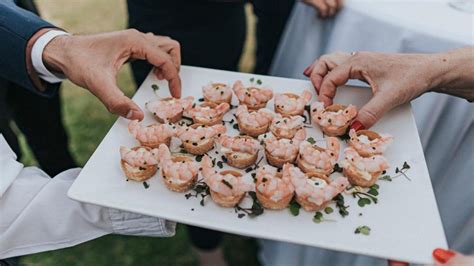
x,y
255,210
311,140
363,229
145,184
339,199
155,87
328,210
294,207
259,82
318,217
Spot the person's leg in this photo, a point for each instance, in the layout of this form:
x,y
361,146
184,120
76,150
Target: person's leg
x,y
40,120
271,21
211,35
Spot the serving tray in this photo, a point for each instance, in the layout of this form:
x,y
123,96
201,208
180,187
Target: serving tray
x,y
404,223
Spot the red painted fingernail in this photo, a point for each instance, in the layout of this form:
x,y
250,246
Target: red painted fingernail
x,y
357,125
306,71
442,255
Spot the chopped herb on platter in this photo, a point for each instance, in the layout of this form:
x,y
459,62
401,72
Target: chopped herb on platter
x,y
363,229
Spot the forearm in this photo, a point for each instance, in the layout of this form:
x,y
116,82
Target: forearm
x,y
454,73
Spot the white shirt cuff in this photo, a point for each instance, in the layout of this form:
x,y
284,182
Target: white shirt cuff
x,y
37,57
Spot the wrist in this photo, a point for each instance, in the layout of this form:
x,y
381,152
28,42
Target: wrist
x,y
55,54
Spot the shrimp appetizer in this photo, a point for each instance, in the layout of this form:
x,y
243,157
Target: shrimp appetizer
x,y
152,135
179,171
254,98
363,171
281,151
313,191
286,127
368,143
240,151
217,93
208,113
198,139
228,187
334,119
289,104
253,123
139,163
313,158
273,190
169,109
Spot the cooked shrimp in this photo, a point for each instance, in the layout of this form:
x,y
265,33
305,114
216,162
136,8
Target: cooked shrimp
x,y
317,157
272,184
207,112
286,127
254,98
140,157
284,149
155,133
255,119
292,104
176,171
227,184
169,108
366,146
200,133
325,118
313,189
239,144
372,164
217,93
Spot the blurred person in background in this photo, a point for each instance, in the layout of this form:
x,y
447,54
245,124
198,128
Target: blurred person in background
x,y
31,112
212,34
396,79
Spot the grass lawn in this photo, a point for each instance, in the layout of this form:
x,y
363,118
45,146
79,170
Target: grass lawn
x,y
87,122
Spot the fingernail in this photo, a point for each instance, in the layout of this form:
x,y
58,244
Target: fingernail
x,y
306,71
357,125
442,255
130,114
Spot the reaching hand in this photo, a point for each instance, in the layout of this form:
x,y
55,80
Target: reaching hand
x,y
93,61
325,8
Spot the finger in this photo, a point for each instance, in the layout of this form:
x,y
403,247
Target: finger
x,y
337,77
170,46
106,90
162,61
319,70
340,4
442,256
322,8
332,7
373,110
397,263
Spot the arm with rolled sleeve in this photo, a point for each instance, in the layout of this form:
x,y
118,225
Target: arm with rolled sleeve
x,y
17,27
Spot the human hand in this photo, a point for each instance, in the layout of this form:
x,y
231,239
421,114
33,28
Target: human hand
x,y
394,78
443,257
325,8
93,61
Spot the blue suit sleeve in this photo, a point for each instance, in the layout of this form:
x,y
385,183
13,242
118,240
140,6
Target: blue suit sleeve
x,y
17,26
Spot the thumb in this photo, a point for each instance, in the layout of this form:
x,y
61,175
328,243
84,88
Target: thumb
x,y
114,100
372,111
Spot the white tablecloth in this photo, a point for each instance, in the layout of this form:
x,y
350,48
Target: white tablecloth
x,y
445,123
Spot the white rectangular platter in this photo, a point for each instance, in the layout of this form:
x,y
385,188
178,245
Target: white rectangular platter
x,y
405,223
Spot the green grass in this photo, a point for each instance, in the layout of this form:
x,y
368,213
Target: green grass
x,y
87,122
